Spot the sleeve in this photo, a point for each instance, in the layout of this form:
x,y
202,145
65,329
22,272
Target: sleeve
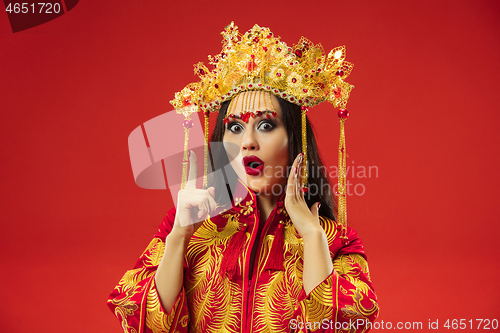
x,y
345,301
135,301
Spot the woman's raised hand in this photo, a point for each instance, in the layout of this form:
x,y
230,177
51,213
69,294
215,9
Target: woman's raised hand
x,y
305,220
193,205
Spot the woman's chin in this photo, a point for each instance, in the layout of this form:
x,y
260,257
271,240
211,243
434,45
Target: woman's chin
x,y
262,187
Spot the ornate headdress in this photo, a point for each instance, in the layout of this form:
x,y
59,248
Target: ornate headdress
x,y
258,60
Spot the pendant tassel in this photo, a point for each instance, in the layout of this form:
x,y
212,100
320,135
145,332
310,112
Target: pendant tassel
x,y
342,182
275,258
205,151
187,123
229,263
304,149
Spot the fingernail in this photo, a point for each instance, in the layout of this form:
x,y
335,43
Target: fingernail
x,y
296,170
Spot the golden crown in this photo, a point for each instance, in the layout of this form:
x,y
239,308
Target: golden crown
x,y
258,60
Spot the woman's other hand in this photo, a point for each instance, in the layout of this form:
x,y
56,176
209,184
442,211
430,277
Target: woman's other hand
x,y
305,220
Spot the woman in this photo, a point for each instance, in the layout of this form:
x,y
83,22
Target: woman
x,y
271,260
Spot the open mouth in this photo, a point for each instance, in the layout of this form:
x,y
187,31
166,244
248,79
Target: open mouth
x,y
253,165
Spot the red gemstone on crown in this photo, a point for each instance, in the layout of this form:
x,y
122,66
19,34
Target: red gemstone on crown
x,y
188,123
343,113
278,74
201,71
216,86
258,113
340,73
298,53
251,65
294,80
264,48
305,90
278,49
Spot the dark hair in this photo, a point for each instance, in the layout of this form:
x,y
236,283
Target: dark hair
x,y
320,189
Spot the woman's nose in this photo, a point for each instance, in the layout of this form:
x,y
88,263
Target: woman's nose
x,y
249,141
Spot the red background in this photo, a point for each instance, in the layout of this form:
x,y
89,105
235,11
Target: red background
x,y
424,111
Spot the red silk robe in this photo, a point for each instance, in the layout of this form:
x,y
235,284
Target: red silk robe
x,y
271,301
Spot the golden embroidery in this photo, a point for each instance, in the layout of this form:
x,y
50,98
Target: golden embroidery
x,y
247,209
154,252
283,211
131,278
320,302
237,201
351,267
357,310
184,321
129,283
125,307
214,302
156,319
330,228
272,304
282,290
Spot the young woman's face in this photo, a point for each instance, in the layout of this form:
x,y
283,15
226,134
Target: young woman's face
x,y
256,142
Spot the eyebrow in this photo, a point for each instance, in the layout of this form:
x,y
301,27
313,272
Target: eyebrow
x,y
254,114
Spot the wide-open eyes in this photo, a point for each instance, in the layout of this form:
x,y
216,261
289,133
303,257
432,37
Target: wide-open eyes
x,y
264,126
234,127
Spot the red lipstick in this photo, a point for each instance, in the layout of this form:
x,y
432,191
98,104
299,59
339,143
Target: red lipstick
x,y
253,165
